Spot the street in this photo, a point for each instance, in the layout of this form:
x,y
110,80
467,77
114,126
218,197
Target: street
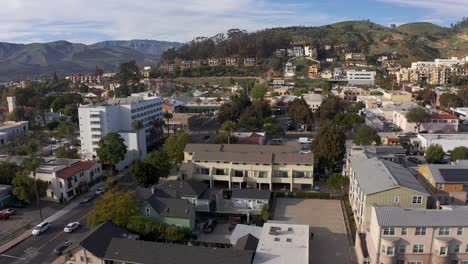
x,y
39,249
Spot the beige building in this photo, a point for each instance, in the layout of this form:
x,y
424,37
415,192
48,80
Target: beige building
x,y
182,121
243,166
397,96
376,181
415,236
232,61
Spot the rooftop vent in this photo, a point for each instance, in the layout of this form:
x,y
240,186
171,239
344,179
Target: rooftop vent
x,y
274,230
277,239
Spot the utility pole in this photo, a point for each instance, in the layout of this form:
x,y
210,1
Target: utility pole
x,y
37,196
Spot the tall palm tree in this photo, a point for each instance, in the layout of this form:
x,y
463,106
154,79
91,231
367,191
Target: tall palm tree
x,y
167,116
137,126
31,164
229,127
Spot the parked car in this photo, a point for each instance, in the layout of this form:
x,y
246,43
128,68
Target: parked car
x,y
9,211
71,227
414,160
4,216
88,198
18,204
99,191
60,249
316,188
40,228
305,151
209,226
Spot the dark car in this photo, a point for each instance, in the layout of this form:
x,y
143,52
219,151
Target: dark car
x,y
18,204
4,216
414,160
60,249
209,226
88,199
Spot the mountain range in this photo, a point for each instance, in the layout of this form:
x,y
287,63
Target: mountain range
x,y
29,61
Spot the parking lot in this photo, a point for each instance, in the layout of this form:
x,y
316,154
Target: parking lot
x,y
27,216
325,218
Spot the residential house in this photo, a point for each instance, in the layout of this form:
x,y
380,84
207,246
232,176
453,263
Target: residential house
x,y
349,93
314,71
415,236
255,138
170,211
214,62
314,101
360,77
250,198
438,123
181,121
248,165
374,181
289,70
199,194
295,52
355,56
232,61
167,67
250,62
185,64
196,63
397,96
280,53
283,242
449,182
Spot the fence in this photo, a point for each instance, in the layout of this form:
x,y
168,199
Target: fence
x,y
305,195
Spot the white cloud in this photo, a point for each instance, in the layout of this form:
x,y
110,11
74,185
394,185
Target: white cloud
x,y
179,20
446,8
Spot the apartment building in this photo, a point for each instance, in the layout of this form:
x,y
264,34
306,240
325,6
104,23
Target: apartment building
x,y
350,93
10,130
397,96
117,115
449,182
214,61
360,77
415,236
232,61
355,56
241,166
438,123
376,181
250,62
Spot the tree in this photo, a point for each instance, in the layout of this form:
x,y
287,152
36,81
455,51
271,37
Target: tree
x,y
224,138
272,127
24,187
366,136
330,107
449,100
168,116
110,184
65,153
175,233
137,125
8,171
148,228
463,94
228,127
175,146
434,153
418,116
347,120
258,92
460,153
161,161
337,183
30,165
427,96
329,145
111,149
145,174
299,111
115,206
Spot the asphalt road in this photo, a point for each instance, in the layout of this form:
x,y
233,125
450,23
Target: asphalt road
x,y
39,249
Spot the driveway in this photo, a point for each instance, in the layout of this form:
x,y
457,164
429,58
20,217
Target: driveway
x,y
326,221
220,234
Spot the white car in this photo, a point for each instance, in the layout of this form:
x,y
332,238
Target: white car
x,y
306,151
40,228
99,191
71,227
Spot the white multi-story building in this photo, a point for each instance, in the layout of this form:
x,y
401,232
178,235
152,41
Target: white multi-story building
x,y
360,77
10,130
117,115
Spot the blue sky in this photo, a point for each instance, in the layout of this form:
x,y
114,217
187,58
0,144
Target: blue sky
x,y
89,21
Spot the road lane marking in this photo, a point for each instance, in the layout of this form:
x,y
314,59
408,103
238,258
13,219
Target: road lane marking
x,y
10,256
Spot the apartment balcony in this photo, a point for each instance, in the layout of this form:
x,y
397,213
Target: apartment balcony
x,y
280,180
201,176
304,180
221,177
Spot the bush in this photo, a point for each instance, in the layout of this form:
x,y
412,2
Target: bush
x,y
153,230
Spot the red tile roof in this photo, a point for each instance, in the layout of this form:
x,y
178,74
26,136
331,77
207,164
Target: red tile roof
x,y
74,169
253,139
443,116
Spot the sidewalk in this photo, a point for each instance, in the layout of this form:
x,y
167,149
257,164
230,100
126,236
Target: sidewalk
x,y
15,241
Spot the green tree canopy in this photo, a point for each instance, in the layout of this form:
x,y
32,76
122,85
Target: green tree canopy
x,y
329,145
435,153
111,148
366,136
460,153
330,107
8,171
259,92
175,146
347,120
337,183
449,100
114,206
299,111
418,116
228,127
145,174
161,161
24,188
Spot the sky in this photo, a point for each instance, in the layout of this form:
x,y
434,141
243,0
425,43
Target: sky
x,y
90,21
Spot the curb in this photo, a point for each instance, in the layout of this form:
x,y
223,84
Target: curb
x,y
7,246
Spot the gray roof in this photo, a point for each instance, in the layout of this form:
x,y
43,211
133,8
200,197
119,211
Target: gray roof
x,y
250,194
242,153
172,207
380,151
138,251
247,242
124,101
396,216
178,189
99,239
449,172
374,175
5,189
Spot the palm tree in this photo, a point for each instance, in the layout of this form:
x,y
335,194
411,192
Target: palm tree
x,y
229,127
137,126
31,164
167,116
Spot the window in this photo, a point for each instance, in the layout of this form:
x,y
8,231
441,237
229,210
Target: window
x,y
441,186
418,248
396,200
89,260
390,251
457,248
443,251
415,262
444,231
82,258
417,199
401,248
147,212
460,231
404,231
420,231
389,231
466,249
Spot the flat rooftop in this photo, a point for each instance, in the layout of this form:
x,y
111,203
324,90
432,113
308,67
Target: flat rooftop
x,y
283,242
444,136
10,124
